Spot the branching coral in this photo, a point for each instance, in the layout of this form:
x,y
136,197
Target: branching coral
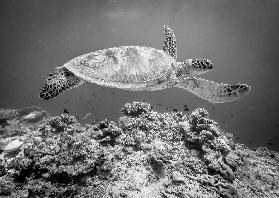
x,y
61,159
141,130
66,157
136,109
204,135
61,123
106,132
6,186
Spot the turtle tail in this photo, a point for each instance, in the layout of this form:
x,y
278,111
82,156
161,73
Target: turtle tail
x,y
59,81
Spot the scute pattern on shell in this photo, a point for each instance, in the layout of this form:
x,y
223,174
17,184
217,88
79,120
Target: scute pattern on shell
x,y
140,66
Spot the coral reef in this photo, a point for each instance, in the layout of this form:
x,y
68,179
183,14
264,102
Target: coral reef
x,y
148,154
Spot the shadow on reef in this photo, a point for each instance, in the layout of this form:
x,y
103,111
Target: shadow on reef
x,y
148,154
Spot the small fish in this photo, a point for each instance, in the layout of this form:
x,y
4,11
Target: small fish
x,y
32,116
186,108
87,115
66,111
13,145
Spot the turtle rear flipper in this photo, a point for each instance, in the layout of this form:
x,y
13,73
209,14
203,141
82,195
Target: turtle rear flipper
x,y
212,91
58,82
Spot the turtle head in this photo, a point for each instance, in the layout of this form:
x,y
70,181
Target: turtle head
x,y
194,67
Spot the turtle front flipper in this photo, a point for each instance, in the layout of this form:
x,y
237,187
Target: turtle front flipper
x,y
212,91
170,45
58,82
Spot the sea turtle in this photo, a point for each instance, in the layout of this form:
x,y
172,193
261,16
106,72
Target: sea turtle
x,y
139,68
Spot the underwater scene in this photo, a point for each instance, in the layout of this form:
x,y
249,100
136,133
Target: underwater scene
x,y
139,98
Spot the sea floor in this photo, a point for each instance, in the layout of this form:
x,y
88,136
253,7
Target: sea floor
x,y
146,154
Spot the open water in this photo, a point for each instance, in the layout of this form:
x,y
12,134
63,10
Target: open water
x,y
239,36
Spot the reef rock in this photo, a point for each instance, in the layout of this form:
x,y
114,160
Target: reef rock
x,y
148,155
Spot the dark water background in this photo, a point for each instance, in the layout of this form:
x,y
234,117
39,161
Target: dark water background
x,y
241,37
